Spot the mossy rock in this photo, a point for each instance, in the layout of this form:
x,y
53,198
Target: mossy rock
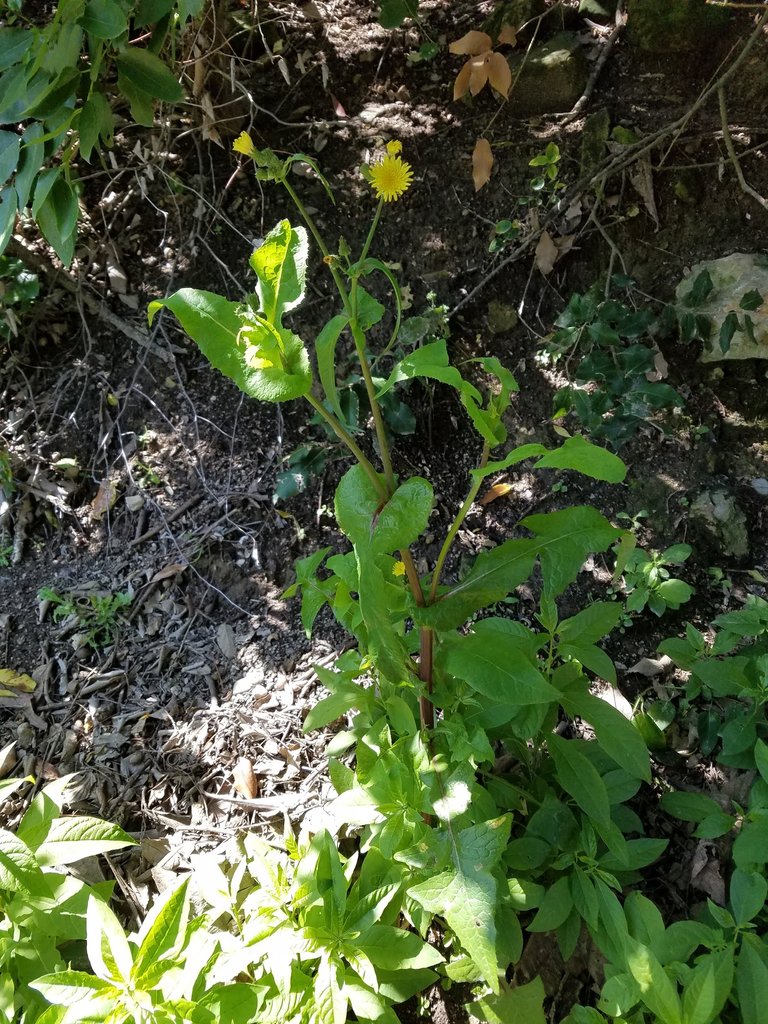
x,y
552,78
673,26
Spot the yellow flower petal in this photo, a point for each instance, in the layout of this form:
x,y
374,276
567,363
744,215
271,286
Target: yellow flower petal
x,y
394,147
398,569
244,144
390,178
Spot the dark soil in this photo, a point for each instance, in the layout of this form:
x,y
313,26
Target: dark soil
x,y
169,496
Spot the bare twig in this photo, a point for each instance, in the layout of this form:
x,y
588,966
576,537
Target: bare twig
x,y
746,188
607,46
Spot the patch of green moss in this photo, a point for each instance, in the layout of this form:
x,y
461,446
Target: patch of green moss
x,y
672,26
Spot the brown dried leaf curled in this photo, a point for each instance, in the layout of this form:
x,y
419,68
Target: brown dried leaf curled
x,y
497,491
461,85
546,253
482,162
481,67
472,43
499,74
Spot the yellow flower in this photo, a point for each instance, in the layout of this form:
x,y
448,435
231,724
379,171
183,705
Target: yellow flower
x,y
394,147
398,569
391,176
244,144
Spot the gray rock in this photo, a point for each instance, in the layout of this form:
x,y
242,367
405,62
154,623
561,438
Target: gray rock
x,y
732,278
760,484
719,516
552,78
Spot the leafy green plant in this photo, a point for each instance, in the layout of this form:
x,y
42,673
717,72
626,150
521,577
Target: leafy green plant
x,y
542,192
547,840
614,391
646,580
55,81
19,288
43,909
96,616
697,325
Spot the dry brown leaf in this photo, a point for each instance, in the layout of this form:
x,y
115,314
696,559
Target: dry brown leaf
x,y
245,781
461,85
482,162
105,498
651,667
210,130
12,683
481,67
472,43
499,74
168,571
564,244
508,35
660,369
642,179
546,253
497,491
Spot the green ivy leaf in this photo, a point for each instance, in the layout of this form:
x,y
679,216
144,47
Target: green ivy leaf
x,y
750,301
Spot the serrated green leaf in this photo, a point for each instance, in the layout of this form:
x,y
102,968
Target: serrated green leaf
x,y
494,574
522,1003
71,839
149,74
579,778
564,539
578,454
325,348
213,324
499,670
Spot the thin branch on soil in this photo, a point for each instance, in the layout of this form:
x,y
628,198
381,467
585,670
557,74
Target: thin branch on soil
x,y
607,46
167,520
746,188
42,266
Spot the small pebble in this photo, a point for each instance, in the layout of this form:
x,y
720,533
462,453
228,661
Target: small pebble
x,y
760,484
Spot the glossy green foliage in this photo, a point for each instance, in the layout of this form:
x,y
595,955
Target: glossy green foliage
x,y
57,84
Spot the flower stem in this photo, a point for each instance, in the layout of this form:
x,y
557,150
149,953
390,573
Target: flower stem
x,y
344,436
455,526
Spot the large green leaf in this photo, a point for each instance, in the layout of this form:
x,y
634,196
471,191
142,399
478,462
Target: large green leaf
x,y
564,539
494,574
163,932
148,73
658,991
752,981
71,839
580,779
108,950
103,19
395,949
618,737
214,324
382,527
56,216
430,361
280,264
93,997
523,1003
579,454
19,871
468,893
325,349
498,669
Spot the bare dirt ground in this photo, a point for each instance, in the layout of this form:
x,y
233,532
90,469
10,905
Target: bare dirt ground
x,y
139,471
